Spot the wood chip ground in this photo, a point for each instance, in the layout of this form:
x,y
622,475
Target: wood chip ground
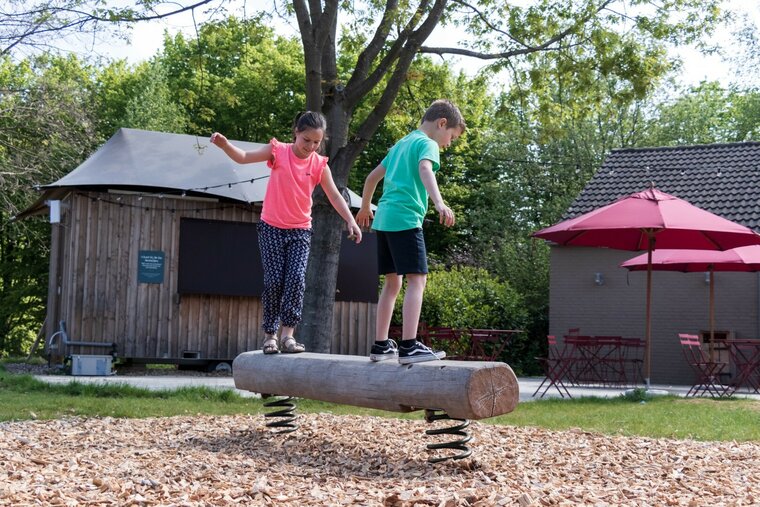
x,y
350,460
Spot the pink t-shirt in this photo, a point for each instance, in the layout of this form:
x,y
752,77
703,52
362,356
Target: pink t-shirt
x,y
287,202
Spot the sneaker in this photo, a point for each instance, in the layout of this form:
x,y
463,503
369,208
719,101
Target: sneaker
x,y
418,353
380,353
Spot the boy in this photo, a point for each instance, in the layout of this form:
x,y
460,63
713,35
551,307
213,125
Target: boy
x,y
409,171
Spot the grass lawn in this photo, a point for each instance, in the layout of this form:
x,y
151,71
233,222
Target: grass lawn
x,y
24,397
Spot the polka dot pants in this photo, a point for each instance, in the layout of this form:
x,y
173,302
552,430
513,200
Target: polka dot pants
x,y
284,256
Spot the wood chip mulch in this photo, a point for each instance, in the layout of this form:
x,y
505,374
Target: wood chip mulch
x,y
352,460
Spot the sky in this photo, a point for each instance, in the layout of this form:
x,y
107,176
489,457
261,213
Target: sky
x,y
147,39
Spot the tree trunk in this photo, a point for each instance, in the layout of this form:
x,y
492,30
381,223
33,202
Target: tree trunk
x,y
328,227
321,275
338,102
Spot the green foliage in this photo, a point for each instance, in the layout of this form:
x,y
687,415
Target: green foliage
x,y
115,86
468,297
152,107
704,114
136,97
46,130
238,78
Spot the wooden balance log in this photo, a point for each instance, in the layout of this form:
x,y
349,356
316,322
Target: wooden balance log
x,y
463,389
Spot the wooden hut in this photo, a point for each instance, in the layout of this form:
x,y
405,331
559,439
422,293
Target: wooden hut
x,y
154,250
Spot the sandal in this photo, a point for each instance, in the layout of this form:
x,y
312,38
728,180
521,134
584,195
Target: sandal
x,y
270,345
291,346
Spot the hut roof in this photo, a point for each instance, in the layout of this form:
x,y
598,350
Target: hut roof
x,y
147,161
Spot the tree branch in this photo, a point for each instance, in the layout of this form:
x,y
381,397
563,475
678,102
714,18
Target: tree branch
x,y
360,87
396,81
20,28
375,45
545,46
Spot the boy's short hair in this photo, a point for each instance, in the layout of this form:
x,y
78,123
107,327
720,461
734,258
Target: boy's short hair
x,y
446,109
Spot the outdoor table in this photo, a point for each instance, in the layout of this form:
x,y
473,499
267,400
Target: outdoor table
x,y
446,338
610,354
604,360
584,357
488,344
745,356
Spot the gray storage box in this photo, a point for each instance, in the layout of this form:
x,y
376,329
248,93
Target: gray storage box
x,y
91,365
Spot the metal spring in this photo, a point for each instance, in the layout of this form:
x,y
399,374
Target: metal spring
x,y
285,415
458,430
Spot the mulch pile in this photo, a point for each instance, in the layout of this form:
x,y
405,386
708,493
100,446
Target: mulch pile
x,y
350,460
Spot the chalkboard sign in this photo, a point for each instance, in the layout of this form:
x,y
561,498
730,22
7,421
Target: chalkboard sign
x,y
150,266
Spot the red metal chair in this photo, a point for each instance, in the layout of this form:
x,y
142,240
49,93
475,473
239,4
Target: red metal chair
x,y
556,365
707,372
633,353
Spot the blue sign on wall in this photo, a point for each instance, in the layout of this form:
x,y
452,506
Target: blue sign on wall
x,y
150,266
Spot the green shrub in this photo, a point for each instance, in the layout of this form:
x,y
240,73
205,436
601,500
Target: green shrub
x,y
468,297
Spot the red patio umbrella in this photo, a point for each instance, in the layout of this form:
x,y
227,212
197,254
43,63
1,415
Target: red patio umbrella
x,y
744,259
644,220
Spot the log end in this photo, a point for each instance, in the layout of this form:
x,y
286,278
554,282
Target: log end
x,y
493,391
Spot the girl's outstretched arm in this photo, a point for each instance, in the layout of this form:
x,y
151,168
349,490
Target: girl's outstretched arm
x,y
337,201
237,154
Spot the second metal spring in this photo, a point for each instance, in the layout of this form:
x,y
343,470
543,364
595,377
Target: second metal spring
x,y
284,415
457,429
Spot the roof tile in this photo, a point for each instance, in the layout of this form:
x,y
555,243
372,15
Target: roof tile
x,y
721,178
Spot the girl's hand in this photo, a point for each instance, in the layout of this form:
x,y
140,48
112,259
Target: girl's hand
x,y
364,217
354,232
218,139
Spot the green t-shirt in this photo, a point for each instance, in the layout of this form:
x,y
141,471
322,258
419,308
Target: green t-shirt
x,y
405,201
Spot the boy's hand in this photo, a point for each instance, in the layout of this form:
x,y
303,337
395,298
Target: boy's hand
x,y
354,233
218,139
364,217
445,215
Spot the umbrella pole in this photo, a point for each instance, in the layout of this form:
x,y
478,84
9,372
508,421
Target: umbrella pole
x,y
648,331
712,314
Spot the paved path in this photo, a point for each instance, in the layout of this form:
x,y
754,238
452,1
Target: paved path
x,y
527,385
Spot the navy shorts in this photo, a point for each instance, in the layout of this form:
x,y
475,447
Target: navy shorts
x,y
401,252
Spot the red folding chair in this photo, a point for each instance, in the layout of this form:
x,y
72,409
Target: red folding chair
x,y
556,365
633,353
707,372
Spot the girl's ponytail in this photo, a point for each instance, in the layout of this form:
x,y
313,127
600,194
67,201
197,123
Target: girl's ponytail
x,y
309,120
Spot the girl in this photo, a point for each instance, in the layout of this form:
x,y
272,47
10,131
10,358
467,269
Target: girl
x,y
285,226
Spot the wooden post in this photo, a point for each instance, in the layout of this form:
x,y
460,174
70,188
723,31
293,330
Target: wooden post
x,y
463,389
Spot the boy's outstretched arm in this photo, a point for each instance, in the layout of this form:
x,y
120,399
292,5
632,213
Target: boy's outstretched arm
x,y
445,214
238,155
337,201
364,216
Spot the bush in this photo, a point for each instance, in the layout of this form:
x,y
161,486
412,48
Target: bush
x,y
468,297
